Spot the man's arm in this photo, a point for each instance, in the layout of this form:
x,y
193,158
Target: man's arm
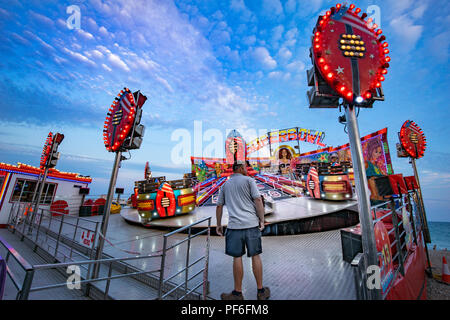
x,y
260,212
219,228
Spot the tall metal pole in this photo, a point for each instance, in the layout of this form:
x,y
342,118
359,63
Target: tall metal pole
x,y
37,199
426,231
365,217
106,212
421,203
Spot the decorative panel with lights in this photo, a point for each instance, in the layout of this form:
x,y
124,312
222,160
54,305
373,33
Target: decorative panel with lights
x,y
413,139
350,53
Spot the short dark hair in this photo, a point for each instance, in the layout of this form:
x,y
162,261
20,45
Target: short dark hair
x,y
236,166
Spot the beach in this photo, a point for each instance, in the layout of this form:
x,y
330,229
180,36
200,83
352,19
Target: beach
x,y
435,289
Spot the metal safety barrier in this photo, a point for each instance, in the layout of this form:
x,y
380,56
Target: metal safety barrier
x,y
394,205
58,236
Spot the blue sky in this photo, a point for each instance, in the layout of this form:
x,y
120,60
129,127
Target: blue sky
x,y
229,64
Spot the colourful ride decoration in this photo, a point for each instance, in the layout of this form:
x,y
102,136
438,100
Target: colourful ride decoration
x,y
165,201
286,135
413,139
156,197
350,53
384,255
235,147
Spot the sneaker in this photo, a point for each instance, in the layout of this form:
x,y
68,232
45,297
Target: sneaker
x,y
264,295
231,296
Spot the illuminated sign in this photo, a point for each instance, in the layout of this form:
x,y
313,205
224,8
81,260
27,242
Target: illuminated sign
x,y
119,120
413,139
350,53
286,135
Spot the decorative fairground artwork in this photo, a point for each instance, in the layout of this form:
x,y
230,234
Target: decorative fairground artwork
x,y
147,171
375,150
413,139
235,147
407,227
350,54
384,255
47,149
283,156
165,201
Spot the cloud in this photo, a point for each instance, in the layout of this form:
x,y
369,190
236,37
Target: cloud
x,y
106,67
275,75
439,46
296,66
290,6
79,57
41,19
33,36
277,33
117,62
164,83
272,8
285,54
84,34
407,32
262,57
250,40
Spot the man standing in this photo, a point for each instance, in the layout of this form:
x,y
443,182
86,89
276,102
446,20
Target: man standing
x,y
245,223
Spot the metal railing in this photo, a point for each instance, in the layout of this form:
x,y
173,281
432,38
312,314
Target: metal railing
x,y
188,264
58,237
394,205
23,288
59,233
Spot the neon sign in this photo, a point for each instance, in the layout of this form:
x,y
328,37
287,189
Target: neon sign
x,y
286,135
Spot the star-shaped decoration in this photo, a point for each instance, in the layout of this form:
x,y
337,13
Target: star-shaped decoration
x,y
374,42
328,52
331,22
371,56
371,72
332,30
339,70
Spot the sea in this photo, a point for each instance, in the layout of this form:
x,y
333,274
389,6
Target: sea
x,y
440,235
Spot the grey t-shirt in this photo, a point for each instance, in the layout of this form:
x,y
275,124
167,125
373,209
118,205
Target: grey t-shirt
x,y
237,195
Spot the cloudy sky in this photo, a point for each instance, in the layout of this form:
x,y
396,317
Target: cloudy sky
x,y
226,64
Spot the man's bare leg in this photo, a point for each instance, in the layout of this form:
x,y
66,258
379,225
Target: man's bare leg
x,y
257,270
238,273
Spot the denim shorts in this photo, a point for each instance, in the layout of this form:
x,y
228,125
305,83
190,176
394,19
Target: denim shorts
x,y
236,240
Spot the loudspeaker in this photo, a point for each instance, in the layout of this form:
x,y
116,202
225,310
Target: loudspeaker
x,y
84,191
383,186
397,182
389,185
411,183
